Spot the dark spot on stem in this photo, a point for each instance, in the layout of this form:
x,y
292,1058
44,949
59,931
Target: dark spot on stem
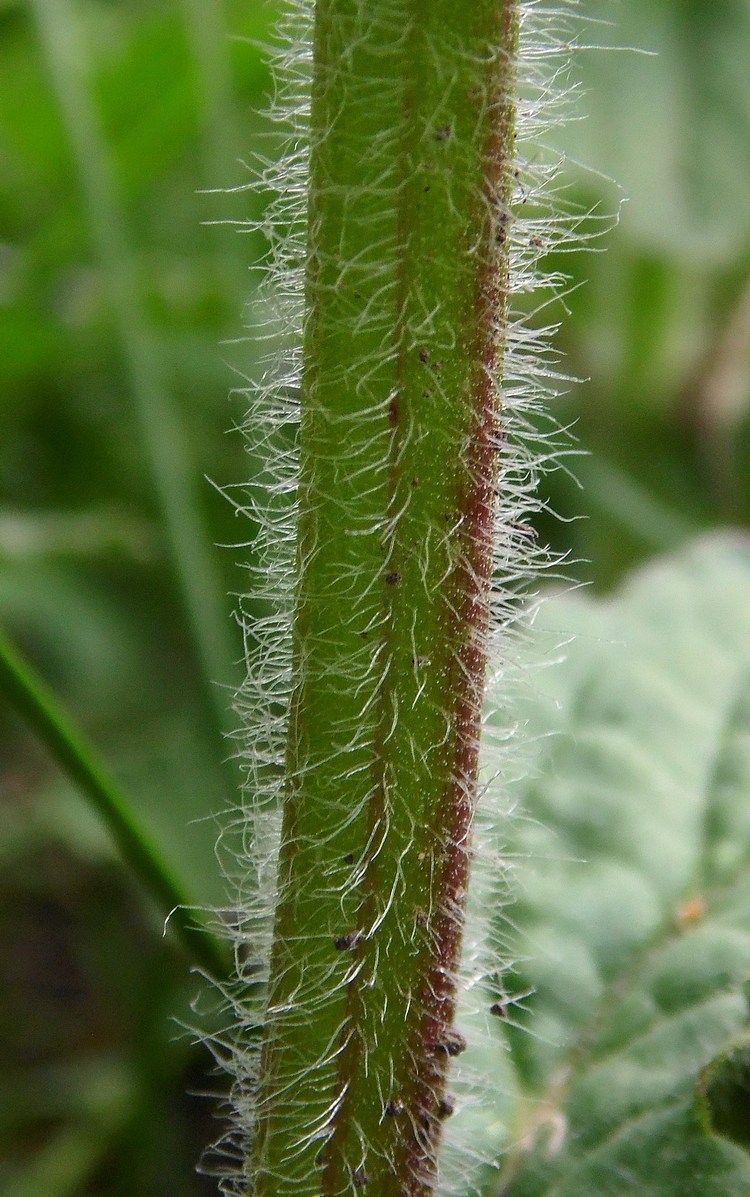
x,y
360,1178
446,1106
452,1043
345,943
393,1107
501,231
393,577
499,1009
424,356
393,411
348,858
444,133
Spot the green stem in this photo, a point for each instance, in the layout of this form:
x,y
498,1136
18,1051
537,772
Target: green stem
x,y
25,690
172,471
412,141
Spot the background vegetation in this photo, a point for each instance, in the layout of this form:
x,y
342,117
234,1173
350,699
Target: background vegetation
x,y
94,1074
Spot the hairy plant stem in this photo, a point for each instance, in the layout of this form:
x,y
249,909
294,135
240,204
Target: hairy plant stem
x,y
411,172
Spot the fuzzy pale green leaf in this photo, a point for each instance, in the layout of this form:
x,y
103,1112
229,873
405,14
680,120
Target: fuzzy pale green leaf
x,y
635,891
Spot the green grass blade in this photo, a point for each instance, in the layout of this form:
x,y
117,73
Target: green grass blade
x,y
172,471
28,694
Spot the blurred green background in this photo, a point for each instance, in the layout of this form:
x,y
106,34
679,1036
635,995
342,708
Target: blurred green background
x,y
126,311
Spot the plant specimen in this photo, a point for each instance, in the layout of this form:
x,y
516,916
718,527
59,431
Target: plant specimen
x,y
401,487
383,1038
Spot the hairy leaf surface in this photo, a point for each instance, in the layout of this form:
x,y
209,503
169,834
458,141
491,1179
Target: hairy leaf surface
x,y
634,908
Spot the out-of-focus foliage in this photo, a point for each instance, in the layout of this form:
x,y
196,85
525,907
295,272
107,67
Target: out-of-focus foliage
x,y
661,328
93,1074
633,893
94,1070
